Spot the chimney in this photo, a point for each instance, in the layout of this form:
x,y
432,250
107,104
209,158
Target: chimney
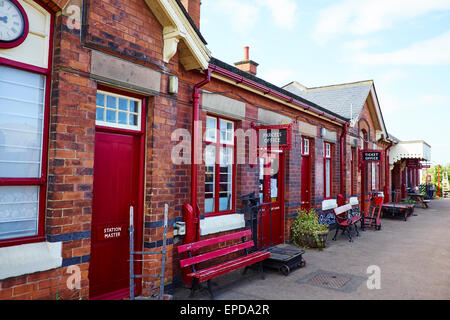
x,y
247,65
193,8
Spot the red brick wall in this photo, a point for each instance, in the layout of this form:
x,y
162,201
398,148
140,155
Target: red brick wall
x,y
128,29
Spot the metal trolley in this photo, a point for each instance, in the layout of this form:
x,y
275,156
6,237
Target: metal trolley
x,y
282,257
372,217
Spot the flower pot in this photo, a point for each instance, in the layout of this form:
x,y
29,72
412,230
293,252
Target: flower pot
x,y
315,239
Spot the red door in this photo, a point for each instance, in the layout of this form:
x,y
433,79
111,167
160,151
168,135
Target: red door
x,y
116,188
270,228
305,176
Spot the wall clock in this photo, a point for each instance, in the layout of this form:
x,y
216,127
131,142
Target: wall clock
x,y
13,24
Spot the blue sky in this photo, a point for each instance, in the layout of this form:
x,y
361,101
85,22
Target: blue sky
x,y
403,45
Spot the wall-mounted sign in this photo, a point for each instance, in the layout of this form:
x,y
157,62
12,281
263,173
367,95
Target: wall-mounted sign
x,y
111,232
277,136
368,155
371,155
412,163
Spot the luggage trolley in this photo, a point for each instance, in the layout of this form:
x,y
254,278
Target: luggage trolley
x,y
282,257
371,218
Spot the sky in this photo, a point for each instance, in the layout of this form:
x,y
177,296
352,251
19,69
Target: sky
x,y
402,45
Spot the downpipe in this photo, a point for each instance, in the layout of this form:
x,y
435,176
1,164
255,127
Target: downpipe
x,y
341,196
386,172
191,211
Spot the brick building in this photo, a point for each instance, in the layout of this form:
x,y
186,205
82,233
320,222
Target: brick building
x,y
98,102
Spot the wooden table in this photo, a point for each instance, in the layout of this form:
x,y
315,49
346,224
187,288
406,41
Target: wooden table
x,y
420,198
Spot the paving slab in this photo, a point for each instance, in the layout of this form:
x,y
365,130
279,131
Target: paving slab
x,y
413,258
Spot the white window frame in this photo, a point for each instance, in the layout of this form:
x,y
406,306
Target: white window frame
x,y
305,146
117,110
327,150
223,141
211,130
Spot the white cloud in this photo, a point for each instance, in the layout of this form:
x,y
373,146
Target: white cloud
x,y
284,12
365,17
429,52
243,15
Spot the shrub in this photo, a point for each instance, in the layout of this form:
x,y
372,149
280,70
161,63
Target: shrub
x,y
306,226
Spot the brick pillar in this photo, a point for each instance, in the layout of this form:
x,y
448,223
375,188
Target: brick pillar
x,y
293,181
71,154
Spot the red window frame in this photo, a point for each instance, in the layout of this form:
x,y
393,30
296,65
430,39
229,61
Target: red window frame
x,y
42,180
218,144
327,159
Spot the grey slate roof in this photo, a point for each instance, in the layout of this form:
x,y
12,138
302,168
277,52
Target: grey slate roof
x,y
224,65
341,99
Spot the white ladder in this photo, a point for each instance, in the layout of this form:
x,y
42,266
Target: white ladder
x,y
445,184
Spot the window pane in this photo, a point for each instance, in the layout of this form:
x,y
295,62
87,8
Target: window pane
x,y
123,104
226,131
134,106
327,179
110,116
111,102
22,96
19,207
100,114
210,156
100,100
211,128
121,111
274,167
123,118
133,120
226,178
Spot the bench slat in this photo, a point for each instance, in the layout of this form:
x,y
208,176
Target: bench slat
x,y
208,242
342,209
214,254
231,265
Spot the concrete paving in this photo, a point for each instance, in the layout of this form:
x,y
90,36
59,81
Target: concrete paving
x,y
413,257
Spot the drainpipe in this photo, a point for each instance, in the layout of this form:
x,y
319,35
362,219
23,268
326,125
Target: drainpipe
x,y
195,140
191,212
386,172
341,197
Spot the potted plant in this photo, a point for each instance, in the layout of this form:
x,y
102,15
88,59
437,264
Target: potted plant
x,y
307,231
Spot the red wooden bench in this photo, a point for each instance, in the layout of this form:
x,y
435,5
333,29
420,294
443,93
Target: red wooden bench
x,y
206,274
344,221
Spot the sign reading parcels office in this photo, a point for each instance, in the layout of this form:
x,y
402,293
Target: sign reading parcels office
x,y
277,136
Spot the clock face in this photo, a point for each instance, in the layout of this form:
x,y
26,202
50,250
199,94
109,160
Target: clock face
x,y
12,21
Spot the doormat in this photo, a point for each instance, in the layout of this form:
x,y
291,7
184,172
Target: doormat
x,y
333,281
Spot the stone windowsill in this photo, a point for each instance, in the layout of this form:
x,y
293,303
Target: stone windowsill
x,y
221,223
29,258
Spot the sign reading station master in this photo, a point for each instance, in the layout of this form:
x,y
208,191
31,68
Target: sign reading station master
x,y
111,232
